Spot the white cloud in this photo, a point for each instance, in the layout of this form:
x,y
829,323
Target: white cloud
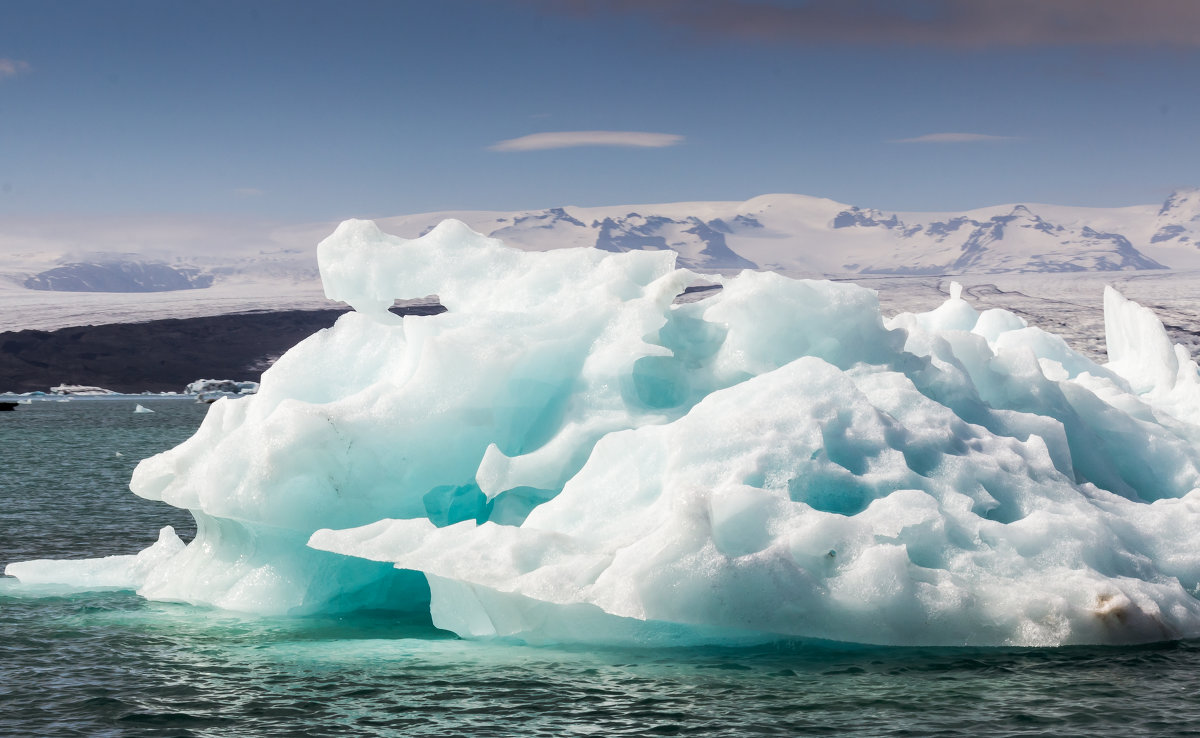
x,y
954,138
12,67
570,139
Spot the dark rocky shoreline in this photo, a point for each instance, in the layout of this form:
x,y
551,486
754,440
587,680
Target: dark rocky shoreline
x,y
160,355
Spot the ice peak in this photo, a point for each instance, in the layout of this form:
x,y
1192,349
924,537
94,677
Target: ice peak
x,y
1139,348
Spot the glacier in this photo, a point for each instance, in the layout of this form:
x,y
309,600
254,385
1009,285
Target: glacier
x,y
570,453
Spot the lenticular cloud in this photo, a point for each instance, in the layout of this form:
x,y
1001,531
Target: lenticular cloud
x,y
569,453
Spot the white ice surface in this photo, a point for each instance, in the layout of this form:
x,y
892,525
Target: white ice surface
x,y
118,572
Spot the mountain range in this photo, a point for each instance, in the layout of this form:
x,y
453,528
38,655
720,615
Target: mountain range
x,y
132,270
797,234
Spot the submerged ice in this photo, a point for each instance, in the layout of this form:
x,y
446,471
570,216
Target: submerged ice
x,y
570,454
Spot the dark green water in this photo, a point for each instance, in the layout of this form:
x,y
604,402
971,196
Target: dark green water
x,y
111,664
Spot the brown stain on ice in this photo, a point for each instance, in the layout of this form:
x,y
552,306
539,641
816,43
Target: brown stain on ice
x,y
1135,625
1111,610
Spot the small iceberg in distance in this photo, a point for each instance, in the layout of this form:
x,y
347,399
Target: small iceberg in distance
x,y
80,390
569,454
142,409
225,386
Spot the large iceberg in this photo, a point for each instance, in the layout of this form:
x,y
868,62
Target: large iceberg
x,y
569,453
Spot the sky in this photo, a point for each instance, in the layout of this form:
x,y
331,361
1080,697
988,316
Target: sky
x,y
301,111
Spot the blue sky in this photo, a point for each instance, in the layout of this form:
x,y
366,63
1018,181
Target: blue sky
x,y
296,110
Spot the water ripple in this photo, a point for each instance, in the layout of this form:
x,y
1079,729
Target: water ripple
x,y
111,664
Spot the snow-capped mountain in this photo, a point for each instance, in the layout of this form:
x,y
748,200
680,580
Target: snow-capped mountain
x,y
1178,220
806,235
1017,241
700,243
119,276
136,270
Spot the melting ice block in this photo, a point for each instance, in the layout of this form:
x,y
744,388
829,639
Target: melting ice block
x,y
568,454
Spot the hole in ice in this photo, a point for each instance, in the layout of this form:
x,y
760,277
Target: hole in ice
x,y
449,504
659,382
999,504
512,506
843,449
394,591
922,460
692,340
828,492
922,456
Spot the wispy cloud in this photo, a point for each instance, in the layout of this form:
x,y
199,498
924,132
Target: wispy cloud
x,y
571,139
10,68
247,192
947,23
954,138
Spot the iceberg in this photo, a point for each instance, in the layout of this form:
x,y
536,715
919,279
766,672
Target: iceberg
x,y
571,454
141,409
80,390
229,386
